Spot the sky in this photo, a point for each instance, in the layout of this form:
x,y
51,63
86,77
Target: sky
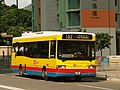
x,y
21,3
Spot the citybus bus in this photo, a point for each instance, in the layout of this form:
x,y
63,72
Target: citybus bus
x,y
54,54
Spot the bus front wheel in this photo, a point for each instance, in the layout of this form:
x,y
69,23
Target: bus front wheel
x,y
20,70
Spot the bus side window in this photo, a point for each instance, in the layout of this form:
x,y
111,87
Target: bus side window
x,y
53,49
18,49
15,49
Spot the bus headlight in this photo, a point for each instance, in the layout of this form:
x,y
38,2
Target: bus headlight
x,y
61,67
92,66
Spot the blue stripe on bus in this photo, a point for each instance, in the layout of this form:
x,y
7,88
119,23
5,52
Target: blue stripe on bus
x,y
70,74
52,74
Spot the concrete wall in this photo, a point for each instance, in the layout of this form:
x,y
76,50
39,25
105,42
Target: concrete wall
x,y
101,4
49,15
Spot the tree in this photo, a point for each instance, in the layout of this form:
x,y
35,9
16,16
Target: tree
x,y
8,19
13,6
2,41
13,30
102,41
2,1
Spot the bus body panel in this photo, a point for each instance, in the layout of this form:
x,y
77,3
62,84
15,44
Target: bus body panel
x,y
72,67
57,72
54,66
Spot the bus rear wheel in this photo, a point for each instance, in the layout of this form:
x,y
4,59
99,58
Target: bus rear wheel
x,y
44,75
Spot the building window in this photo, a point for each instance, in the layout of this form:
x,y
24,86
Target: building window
x,y
116,17
39,11
33,22
115,2
94,13
33,10
73,4
94,6
74,18
39,27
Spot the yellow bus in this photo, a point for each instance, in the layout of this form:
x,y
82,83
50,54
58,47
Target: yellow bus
x,y
55,54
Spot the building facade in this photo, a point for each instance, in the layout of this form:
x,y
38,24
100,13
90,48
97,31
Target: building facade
x,y
92,15
44,15
5,45
74,15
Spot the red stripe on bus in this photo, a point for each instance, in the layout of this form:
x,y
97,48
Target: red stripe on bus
x,y
59,70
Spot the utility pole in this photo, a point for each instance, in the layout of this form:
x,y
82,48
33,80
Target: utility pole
x,y
17,18
109,23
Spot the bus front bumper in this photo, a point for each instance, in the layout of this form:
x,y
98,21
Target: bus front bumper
x,y
73,73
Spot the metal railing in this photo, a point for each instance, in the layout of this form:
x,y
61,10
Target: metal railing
x,y
111,69
5,63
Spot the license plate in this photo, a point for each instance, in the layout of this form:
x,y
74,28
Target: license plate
x,y
77,73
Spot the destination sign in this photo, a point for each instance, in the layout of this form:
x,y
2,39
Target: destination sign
x,y
77,36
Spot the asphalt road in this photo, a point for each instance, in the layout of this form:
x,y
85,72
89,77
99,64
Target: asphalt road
x,y
12,81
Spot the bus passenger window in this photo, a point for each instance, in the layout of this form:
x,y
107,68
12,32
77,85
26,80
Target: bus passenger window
x,y
20,51
15,49
44,49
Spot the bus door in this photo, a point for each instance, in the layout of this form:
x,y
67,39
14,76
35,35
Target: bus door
x,y
53,49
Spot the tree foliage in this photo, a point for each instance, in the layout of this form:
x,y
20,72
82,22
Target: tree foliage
x,y
1,1
102,41
8,15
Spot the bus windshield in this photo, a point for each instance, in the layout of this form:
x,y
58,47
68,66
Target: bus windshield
x,y
76,50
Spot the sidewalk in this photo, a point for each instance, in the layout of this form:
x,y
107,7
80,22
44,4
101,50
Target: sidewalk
x,y
110,71
108,75
113,79
6,71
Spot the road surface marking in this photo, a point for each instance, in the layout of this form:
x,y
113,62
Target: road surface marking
x,y
61,83
17,77
10,88
20,77
114,81
2,74
102,88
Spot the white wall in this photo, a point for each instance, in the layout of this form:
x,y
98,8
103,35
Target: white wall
x,y
110,31
7,50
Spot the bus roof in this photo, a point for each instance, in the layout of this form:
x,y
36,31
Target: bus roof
x,y
48,33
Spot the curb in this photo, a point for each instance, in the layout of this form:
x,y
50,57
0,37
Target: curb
x,y
101,77
113,79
